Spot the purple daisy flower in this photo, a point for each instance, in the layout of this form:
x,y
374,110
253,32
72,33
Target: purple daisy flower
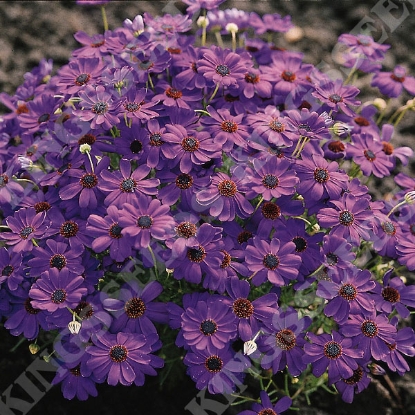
x,y
98,107
107,234
350,219
221,66
272,261
333,352
337,253
132,145
224,197
307,124
270,23
10,191
124,357
250,314
370,334
168,24
57,290
57,255
283,341
125,186
218,370
209,323
405,250
11,270
403,345
348,293
26,226
146,218
174,96
196,5
257,82
266,407
401,153
369,155
355,384
392,83
134,107
134,311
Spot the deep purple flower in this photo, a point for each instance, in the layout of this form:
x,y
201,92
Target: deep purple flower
x,y
348,293
94,46
266,407
273,261
283,341
124,357
209,324
174,96
406,250
11,270
333,352
11,192
168,24
307,124
190,78
221,66
369,155
146,218
337,253
108,234
134,107
154,61
26,226
270,23
403,345
132,145
370,334
351,219
257,82
392,83
134,310
57,290
218,370
196,5
355,384
224,197
392,153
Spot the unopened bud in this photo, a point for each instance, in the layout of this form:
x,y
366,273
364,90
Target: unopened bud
x,y
380,104
85,148
294,34
231,28
74,326
250,347
34,348
410,197
202,21
327,119
341,128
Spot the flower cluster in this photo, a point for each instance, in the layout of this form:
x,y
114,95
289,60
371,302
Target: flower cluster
x,y
240,175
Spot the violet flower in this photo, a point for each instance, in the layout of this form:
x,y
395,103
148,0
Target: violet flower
x,y
392,83
266,407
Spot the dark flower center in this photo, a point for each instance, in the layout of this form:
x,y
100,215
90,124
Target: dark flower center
x,y
76,371
186,230
355,378
230,98
243,308
41,206
391,294
184,181
69,229
190,144
7,271
288,76
270,210
136,146
270,181
348,291
321,175
58,296
135,307
271,261
226,261
244,236
145,65
362,121
4,179
227,188
397,78
336,146
267,411
82,79
229,126
346,218
22,109
305,127
370,155
115,231
144,222
100,108
196,254
222,70
369,328
174,51
412,228
63,168
128,185
88,180
97,44
389,228
335,98
387,148
118,353
43,118
26,231
155,140
332,350
58,261
208,327
214,364
276,126
300,244
131,106
84,310
194,67
251,78
174,93
332,259
285,339
87,139
28,307
31,150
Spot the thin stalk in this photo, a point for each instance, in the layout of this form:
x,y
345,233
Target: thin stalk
x,y
104,17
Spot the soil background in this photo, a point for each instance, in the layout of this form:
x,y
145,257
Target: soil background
x,y
32,30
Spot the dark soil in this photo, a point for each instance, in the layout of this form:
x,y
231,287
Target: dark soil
x,y
32,30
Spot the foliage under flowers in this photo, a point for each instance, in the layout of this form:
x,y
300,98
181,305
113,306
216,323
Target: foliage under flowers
x,y
162,199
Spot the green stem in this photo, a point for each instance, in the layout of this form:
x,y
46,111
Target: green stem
x,y
214,93
104,17
155,262
233,41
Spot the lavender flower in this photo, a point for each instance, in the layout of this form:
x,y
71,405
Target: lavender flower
x,y
266,407
392,83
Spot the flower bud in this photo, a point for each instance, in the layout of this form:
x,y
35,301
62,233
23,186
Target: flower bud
x,y
380,103
34,348
202,21
410,197
249,347
231,28
294,34
340,128
85,148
